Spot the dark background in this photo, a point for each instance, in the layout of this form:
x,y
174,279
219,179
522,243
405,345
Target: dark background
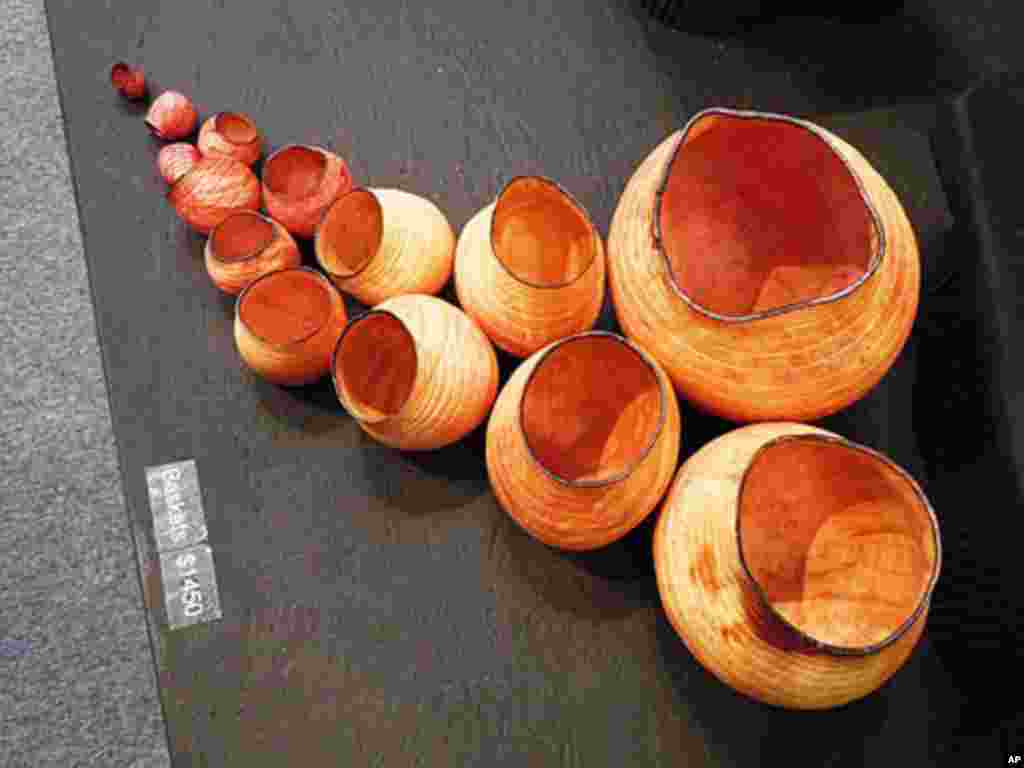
x,y
379,608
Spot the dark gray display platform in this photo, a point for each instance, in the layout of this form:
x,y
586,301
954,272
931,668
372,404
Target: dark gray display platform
x,y
379,608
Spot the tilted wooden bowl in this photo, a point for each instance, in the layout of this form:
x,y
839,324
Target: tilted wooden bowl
x,y
796,566
287,324
583,440
246,246
765,264
529,268
380,243
415,372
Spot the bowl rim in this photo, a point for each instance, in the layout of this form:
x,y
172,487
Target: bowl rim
x,y
820,133
332,290
595,252
658,431
762,596
338,390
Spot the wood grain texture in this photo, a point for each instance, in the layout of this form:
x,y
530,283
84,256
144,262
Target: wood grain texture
x,y
212,190
377,244
802,364
287,324
246,246
299,185
843,546
567,511
714,608
422,386
523,312
362,585
232,134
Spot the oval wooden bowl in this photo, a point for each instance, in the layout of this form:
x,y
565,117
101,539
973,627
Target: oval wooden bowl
x,y
380,243
796,566
300,183
415,372
231,134
579,457
529,268
246,246
765,264
287,324
213,189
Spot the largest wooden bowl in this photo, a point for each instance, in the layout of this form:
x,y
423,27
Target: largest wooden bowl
x,y
765,264
796,566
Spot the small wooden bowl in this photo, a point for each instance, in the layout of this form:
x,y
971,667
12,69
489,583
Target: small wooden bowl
x,y
300,183
287,324
796,566
231,134
583,440
213,189
245,246
530,268
765,264
415,372
380,243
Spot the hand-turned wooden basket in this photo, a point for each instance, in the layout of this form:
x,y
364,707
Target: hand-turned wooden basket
x,y
287,324
530,267
246,246
380,243
796,566
583,440
415,372
299,185
765,264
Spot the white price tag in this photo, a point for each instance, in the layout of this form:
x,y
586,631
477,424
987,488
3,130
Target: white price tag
x,y
190,586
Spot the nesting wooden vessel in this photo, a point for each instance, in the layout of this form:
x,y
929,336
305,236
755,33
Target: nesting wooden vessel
x,y
380,243
213,189
287,324
530,267
231,134
415,372
579,457
765,264
300,183
246,246
796,566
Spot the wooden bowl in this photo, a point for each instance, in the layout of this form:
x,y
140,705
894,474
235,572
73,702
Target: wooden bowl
x,y
232,134
287,324
529,268
796,566
380,243
415,372
299,185
245,246
579,456
766,265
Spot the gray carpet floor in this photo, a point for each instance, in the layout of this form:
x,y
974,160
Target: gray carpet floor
x,y
77,686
